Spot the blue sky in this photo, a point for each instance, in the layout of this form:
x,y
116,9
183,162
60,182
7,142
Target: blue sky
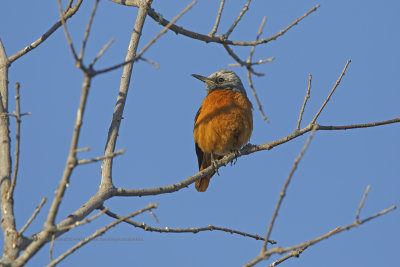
x,y
158,123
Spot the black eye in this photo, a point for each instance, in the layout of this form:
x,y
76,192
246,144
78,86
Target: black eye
x,y
220,80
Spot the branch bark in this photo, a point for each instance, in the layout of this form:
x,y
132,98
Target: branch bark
x,y
10,251
106,168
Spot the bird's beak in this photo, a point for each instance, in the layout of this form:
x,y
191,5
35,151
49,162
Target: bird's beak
x,y
203,79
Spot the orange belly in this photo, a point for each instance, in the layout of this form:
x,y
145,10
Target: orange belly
x,y
224,122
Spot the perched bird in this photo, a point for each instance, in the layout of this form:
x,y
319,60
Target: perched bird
x,y
224,121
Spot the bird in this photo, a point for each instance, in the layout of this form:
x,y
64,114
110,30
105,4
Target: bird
x,y
223,123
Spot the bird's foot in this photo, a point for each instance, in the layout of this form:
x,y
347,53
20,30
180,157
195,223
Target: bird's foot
x,y
234,160
214,164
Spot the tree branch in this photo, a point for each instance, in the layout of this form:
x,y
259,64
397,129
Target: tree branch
x,y
99,233
213,39
68,13
248,149
35,213
215,28
283,192
332,91
112,155
304,103
106,177
279,250
17,140
184,230
87,30
7,206
244,10
152,41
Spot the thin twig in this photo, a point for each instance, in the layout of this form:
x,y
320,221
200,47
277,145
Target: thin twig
x,y
185,230
82,149
154,216
150,62
71,160
260,30
53,237
241,62
100,54
283,192
87,30
69,5
244,10
259,106
99,233
295,253
362,203
333,90
280,250
33,216
17,140
165,29
250,70
78,62
250,64
79,223
304,103
215,28
213,39
111,155
68,13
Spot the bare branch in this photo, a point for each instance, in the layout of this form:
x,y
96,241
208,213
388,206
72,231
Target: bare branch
x,y
7,206
260,30
71,160
99,233
17,140
68,13
165,28
150,62
78,62
248,149
100,54
279,250
213,39
87,30
154,216
295,253
79,223
53,237
241,62
185,230
250,64
215,28
362,204
35,213
106,177
82,149
304,103
333,90
244,10
111,155
259,106
250,70
283,192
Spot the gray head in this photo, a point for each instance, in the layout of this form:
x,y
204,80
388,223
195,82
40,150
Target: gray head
x,y
222,79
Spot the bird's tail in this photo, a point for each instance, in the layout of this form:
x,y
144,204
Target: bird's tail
x,y
202,184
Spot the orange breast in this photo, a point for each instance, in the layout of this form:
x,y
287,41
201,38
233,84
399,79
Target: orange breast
x,y
224,122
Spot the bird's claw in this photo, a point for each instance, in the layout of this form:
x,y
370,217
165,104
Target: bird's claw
x,y
234,160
